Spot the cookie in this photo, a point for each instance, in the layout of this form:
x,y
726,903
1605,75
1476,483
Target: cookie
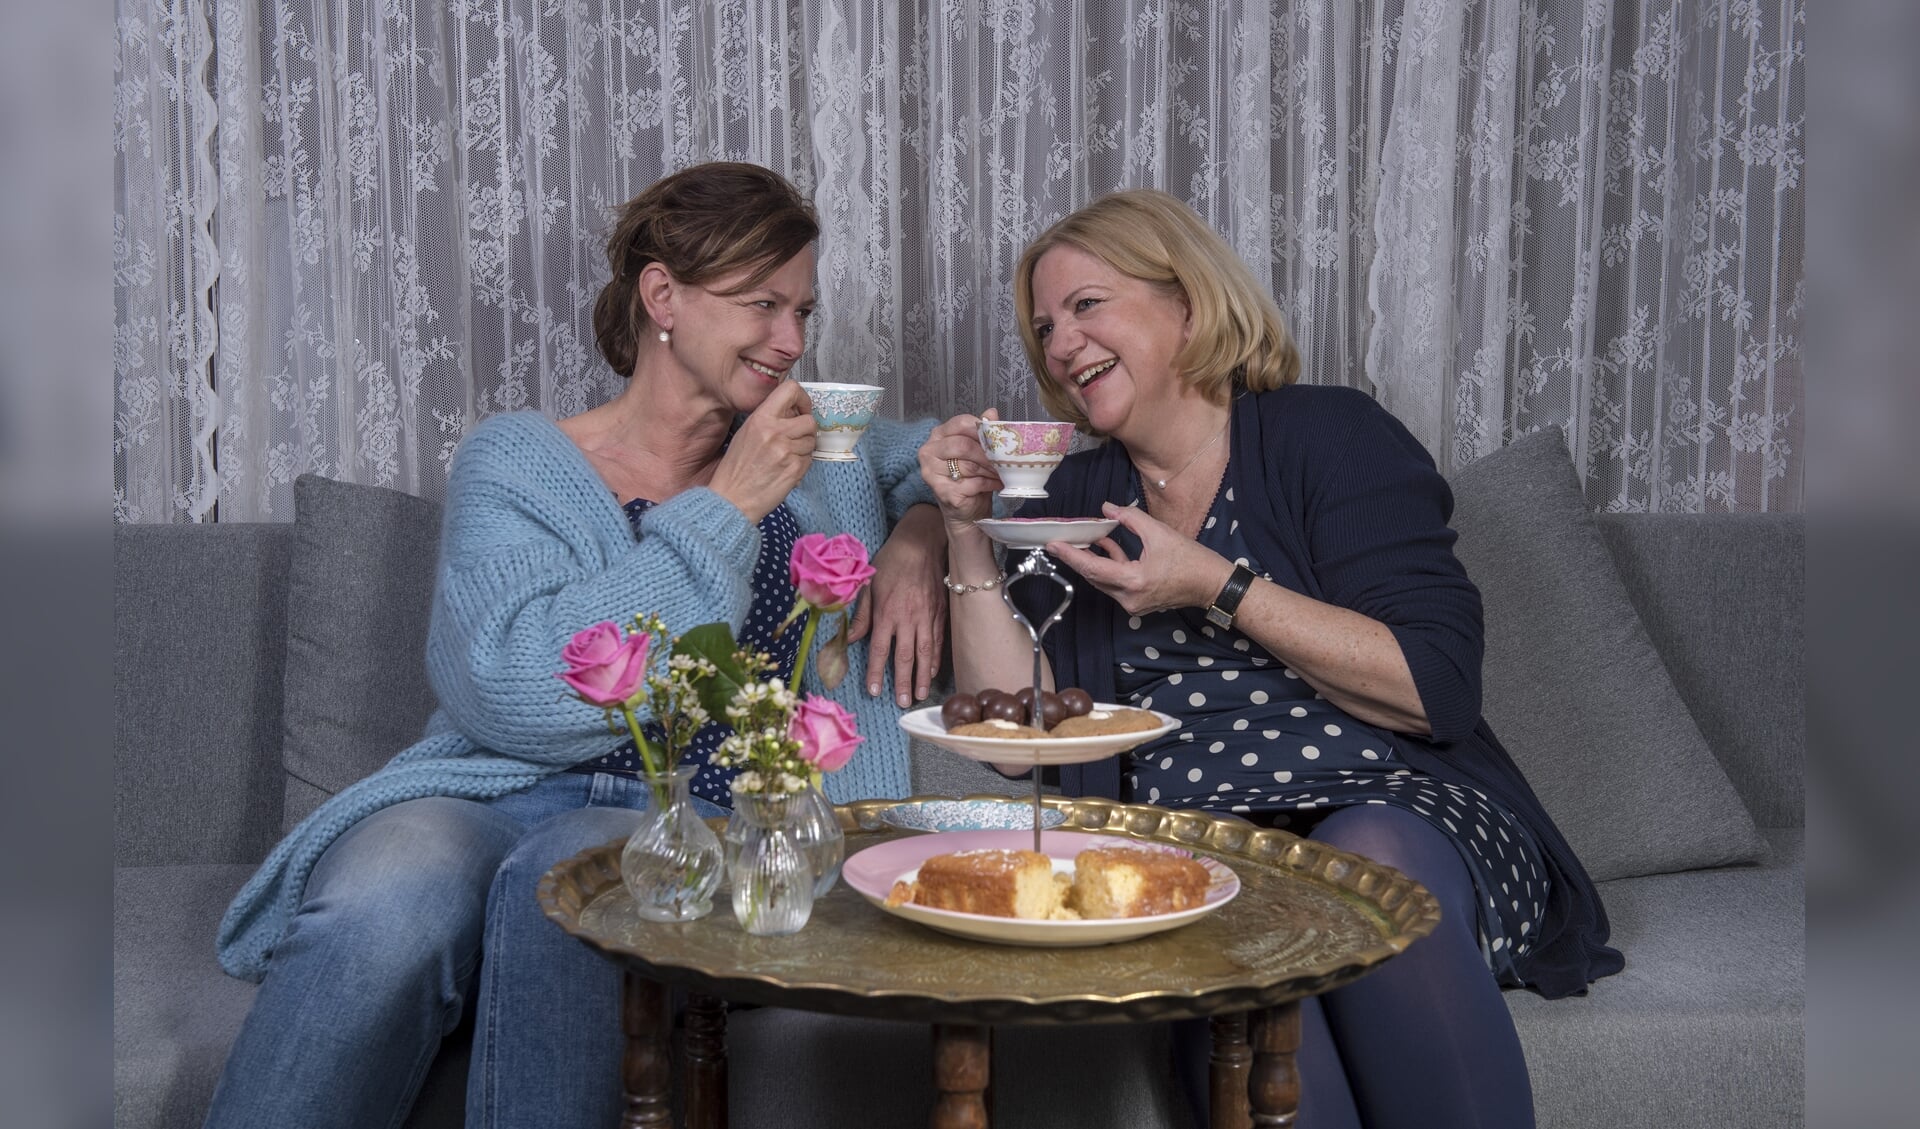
x,y
1101,722
1005,730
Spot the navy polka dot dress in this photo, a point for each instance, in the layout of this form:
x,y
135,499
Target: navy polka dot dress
x,y
773,596
1259,742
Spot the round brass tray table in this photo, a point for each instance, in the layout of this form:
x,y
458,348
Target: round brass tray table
x,y
1308,918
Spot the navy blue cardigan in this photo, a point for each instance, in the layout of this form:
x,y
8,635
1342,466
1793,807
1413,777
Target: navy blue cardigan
x,y
1327,480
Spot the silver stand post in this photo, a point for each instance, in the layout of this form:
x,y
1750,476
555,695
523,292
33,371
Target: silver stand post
x,y
1037,565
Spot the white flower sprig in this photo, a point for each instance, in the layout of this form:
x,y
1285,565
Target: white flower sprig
x,y
674,689
762,746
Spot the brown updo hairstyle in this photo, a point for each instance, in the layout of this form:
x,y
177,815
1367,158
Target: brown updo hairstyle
x,y
1238,339
702,223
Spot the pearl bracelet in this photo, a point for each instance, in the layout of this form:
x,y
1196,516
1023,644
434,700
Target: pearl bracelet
x,y
964,589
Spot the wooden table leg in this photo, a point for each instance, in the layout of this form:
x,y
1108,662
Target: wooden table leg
x,y
1228,1065
706,1020
1274,1091
961,1058
647,1068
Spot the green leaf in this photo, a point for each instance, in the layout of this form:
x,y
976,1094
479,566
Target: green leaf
x,y
714,643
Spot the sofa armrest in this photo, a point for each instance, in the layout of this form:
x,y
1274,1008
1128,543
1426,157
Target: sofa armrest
x,y
199,651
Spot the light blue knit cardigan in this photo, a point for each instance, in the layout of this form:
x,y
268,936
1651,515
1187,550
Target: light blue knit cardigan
x,y
533,548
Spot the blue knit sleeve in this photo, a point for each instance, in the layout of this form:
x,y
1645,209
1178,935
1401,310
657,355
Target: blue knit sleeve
x,y
533,549
893,450
1376,522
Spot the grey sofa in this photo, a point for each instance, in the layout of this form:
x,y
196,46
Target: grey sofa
x,y
241,704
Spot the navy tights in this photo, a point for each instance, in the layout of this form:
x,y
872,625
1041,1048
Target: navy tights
x,y
1424,1040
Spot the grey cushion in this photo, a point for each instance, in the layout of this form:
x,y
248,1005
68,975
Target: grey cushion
x,y
199,621
1704,1027
175,1014
1573,686
361,588
1698,580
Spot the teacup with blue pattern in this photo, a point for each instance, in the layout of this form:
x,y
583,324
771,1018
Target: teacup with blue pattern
x,y
841,414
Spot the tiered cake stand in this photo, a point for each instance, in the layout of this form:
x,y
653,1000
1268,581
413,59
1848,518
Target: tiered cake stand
x,y
1035,567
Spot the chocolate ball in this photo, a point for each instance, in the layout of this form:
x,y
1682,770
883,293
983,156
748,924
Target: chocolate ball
x,y
961,709
1053,711
1077,702
1004,708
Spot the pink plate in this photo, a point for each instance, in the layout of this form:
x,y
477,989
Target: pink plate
x,y
872,873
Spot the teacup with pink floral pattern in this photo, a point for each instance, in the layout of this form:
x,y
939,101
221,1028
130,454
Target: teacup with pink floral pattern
x,y
1024,452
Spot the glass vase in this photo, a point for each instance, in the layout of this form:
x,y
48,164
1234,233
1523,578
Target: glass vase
x,y
821,839
820,836
772,876
673,862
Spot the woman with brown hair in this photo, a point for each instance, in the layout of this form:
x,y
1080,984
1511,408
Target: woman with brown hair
x,y
409,897
1282,580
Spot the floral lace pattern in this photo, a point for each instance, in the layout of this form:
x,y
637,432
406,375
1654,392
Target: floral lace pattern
x,y
344,232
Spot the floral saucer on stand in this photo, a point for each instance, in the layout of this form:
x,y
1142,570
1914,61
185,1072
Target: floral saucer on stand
x,y
1036,532
969,815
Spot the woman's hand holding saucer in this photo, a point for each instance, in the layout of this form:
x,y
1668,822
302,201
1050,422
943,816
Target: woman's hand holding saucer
x,y
770,453
1172,570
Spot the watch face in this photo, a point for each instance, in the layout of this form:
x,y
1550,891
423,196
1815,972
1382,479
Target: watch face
x,y
1219,618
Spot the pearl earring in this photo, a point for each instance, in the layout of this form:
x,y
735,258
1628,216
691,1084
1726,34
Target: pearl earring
x,y
664,338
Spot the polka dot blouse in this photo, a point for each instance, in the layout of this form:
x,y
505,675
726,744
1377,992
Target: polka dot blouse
x,y
1259,742
773,597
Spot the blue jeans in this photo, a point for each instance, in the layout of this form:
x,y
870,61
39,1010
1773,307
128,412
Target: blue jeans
x,y
411,913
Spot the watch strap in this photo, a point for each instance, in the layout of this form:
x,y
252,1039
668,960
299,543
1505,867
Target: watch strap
x,y
1221,612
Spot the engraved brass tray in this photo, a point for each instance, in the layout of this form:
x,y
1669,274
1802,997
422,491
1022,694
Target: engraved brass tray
x,y
1309,918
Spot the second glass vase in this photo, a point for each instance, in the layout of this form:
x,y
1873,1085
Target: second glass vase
x,y
821,839
673,862
819,835
772,876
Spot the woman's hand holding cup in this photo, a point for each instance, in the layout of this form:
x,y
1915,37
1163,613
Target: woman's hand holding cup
x,y
770,453
956,467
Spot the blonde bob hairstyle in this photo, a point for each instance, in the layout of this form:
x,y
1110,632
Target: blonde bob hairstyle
x,y
1238,339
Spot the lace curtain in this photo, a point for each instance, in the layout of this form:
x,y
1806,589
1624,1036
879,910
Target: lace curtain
x,y
347,230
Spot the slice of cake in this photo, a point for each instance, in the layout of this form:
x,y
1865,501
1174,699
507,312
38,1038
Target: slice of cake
x,y
1129,882
999,883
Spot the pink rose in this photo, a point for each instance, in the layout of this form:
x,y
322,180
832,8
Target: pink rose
x,y
602,667
829,572
826,733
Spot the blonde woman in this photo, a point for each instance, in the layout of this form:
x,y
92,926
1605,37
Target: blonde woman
x,y
1283,581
